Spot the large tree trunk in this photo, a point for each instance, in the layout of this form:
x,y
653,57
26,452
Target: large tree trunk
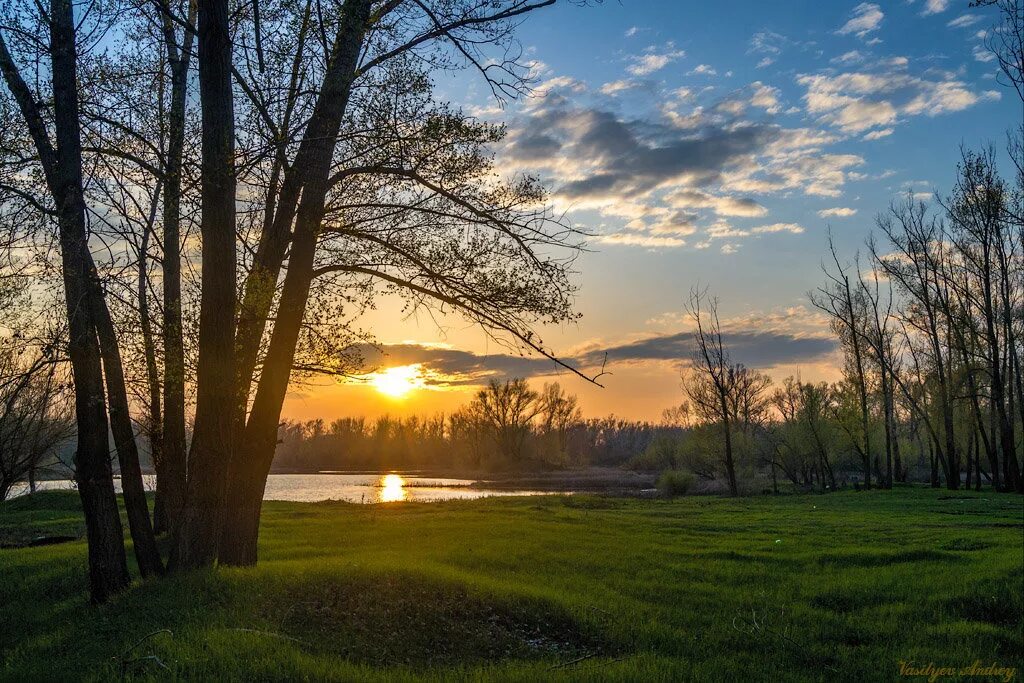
x,y
212,442
108,569
139,523
171,480
251,466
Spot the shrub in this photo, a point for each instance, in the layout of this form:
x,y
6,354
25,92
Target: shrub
x,y
673,483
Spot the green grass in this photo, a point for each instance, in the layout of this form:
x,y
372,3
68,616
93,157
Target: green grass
x,y
819,587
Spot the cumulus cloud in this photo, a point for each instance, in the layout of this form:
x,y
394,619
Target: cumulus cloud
x,y
703,70
838,212
866,17
653,60
677,171
877,97
615,87
934,6
637,240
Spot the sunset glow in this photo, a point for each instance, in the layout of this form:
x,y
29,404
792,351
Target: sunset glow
x,y
399,381
392,488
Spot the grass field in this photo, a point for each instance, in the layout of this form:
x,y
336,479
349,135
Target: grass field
x,y
823,587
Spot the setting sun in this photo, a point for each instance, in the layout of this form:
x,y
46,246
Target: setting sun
x,y
397,382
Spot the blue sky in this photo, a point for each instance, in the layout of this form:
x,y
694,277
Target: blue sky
x,y
716,144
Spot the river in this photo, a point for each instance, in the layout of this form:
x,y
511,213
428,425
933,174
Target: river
x,y
353,488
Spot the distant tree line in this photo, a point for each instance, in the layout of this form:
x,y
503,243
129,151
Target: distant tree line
x,y
507,426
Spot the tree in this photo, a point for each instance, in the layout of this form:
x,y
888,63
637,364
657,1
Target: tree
x,y
92,345
847,312
506,411
558,412
710,384
33,423
197,534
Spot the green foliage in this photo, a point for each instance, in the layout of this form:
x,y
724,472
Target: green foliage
x,y
789,588
674,483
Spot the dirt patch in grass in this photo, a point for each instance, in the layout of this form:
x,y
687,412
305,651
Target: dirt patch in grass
x,y
399,619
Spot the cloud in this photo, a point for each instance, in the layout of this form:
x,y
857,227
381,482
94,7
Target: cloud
x,y
632,31
878,134
765,96
838,212
777,227
934,7
635,240
851,57
676,171
983,54
866,17
721,205
615,87
964,20
702,70
877,96
752,347
759,340
653,60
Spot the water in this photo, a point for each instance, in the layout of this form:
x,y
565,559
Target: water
x,y
353,488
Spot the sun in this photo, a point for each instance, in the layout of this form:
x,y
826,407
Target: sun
x,y
397,382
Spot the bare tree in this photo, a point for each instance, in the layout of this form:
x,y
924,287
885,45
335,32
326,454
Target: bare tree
x,y
847,313
711,380
506,410
33,422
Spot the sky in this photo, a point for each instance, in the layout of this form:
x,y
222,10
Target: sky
x,y
700,144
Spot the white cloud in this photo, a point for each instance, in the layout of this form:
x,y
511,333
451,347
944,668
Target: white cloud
x,y
850,57
653,60
877,97
765,96
935,6
964,20
867,17
629,239
838,212
879,134
765,61
983,54
616,87
704,69
777,227
632,31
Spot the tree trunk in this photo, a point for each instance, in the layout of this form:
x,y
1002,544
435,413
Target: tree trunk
x,y
108,569
248,476
199,529
133,490
171,481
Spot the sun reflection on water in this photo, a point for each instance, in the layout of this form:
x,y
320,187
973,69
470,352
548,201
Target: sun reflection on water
x,y
392,488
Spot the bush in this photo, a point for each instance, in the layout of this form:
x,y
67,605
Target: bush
x,y
673,483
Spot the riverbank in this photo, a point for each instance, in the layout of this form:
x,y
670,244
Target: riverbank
x,y
818,587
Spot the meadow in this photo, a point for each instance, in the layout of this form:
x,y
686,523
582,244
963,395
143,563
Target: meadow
x,y
845,586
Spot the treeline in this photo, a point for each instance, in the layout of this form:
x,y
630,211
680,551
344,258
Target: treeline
x,y
930,324
507,426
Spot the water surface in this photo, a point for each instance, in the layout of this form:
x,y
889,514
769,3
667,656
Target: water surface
x,y
353,488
